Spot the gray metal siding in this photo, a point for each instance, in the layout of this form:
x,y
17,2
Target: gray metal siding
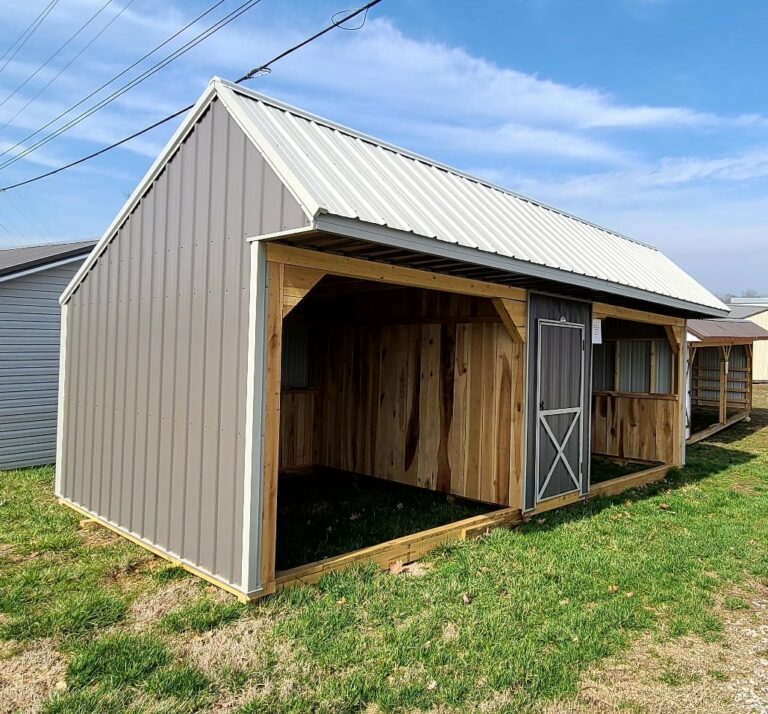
x,y
157,352
546,307
30,319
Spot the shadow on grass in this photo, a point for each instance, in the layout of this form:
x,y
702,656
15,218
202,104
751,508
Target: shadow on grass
x,y
706,461
737,432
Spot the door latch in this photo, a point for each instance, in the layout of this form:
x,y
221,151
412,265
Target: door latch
x,y
541,405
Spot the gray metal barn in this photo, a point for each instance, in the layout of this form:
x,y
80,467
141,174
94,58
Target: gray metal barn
x,y
31,280
284,293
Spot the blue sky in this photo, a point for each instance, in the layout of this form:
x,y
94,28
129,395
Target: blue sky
x,y
646,116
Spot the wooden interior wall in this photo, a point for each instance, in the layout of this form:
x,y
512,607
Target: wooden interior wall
x,y
709,374
414,386
297,410
634,426
645,426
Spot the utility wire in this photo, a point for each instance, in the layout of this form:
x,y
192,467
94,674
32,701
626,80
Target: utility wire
x,y
223,22
264,68
116,77
28,214
65,67
23,38
56,53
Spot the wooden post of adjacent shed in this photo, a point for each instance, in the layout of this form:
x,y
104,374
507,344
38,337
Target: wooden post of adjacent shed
x,y
725,355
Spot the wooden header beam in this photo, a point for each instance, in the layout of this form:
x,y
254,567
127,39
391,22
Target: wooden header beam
x,y
386,273
601,310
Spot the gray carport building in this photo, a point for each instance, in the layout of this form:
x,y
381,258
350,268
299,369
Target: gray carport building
x,y
31,280
189,340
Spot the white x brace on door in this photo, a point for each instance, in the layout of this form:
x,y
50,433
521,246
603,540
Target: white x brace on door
x,y
559,409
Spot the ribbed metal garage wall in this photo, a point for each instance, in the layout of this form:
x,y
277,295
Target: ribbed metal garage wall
x,y
29,365
156,352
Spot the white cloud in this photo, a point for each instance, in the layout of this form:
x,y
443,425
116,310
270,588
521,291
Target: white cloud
x,y
589,150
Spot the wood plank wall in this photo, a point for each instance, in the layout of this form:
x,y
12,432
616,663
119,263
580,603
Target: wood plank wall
x,y
634,427
404,397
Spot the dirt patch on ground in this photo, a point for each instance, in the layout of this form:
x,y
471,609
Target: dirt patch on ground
x,y
27,678
96,536
686,675
148,609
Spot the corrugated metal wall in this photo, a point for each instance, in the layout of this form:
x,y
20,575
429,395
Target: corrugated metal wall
x,y
30,318
157,352
760,350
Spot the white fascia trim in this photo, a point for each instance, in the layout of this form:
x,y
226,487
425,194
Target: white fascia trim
x,y
287,233
39,268
175,141
254,417
267,150
61,408
354,228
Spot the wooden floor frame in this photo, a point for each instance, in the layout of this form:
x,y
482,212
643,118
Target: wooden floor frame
x,y
715,428
413,547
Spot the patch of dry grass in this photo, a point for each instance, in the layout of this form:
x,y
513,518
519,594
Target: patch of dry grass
x,y
686,675
30,676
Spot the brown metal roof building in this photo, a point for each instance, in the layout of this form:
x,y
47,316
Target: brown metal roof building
x,y
282,293
720,355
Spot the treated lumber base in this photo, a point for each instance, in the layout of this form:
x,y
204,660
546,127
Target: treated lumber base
x,y
710,430
412,547
405,549
622,483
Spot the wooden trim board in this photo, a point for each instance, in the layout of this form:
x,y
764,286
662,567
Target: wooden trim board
x,y
711,430
622,483
405,549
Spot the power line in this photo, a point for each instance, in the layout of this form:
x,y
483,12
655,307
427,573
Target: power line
x,y
74,59
249,75
28,214
22,39
223,22
116,77
56,53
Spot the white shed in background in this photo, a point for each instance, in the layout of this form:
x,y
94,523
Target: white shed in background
x,y
31,280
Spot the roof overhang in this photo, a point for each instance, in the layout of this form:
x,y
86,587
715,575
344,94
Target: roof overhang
x,y
39,265
385,236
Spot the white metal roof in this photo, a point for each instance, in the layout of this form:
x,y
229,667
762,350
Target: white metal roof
x,y
334,171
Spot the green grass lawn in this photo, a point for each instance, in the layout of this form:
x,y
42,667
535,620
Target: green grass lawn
x,y
506,623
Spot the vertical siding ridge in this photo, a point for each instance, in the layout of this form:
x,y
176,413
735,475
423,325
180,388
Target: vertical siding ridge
x,y
185,470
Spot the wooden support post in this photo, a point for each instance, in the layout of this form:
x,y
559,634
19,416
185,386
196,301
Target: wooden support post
x,y
275,277
677,333
725,355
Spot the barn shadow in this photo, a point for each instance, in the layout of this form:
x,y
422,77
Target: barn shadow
x,y
704,461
